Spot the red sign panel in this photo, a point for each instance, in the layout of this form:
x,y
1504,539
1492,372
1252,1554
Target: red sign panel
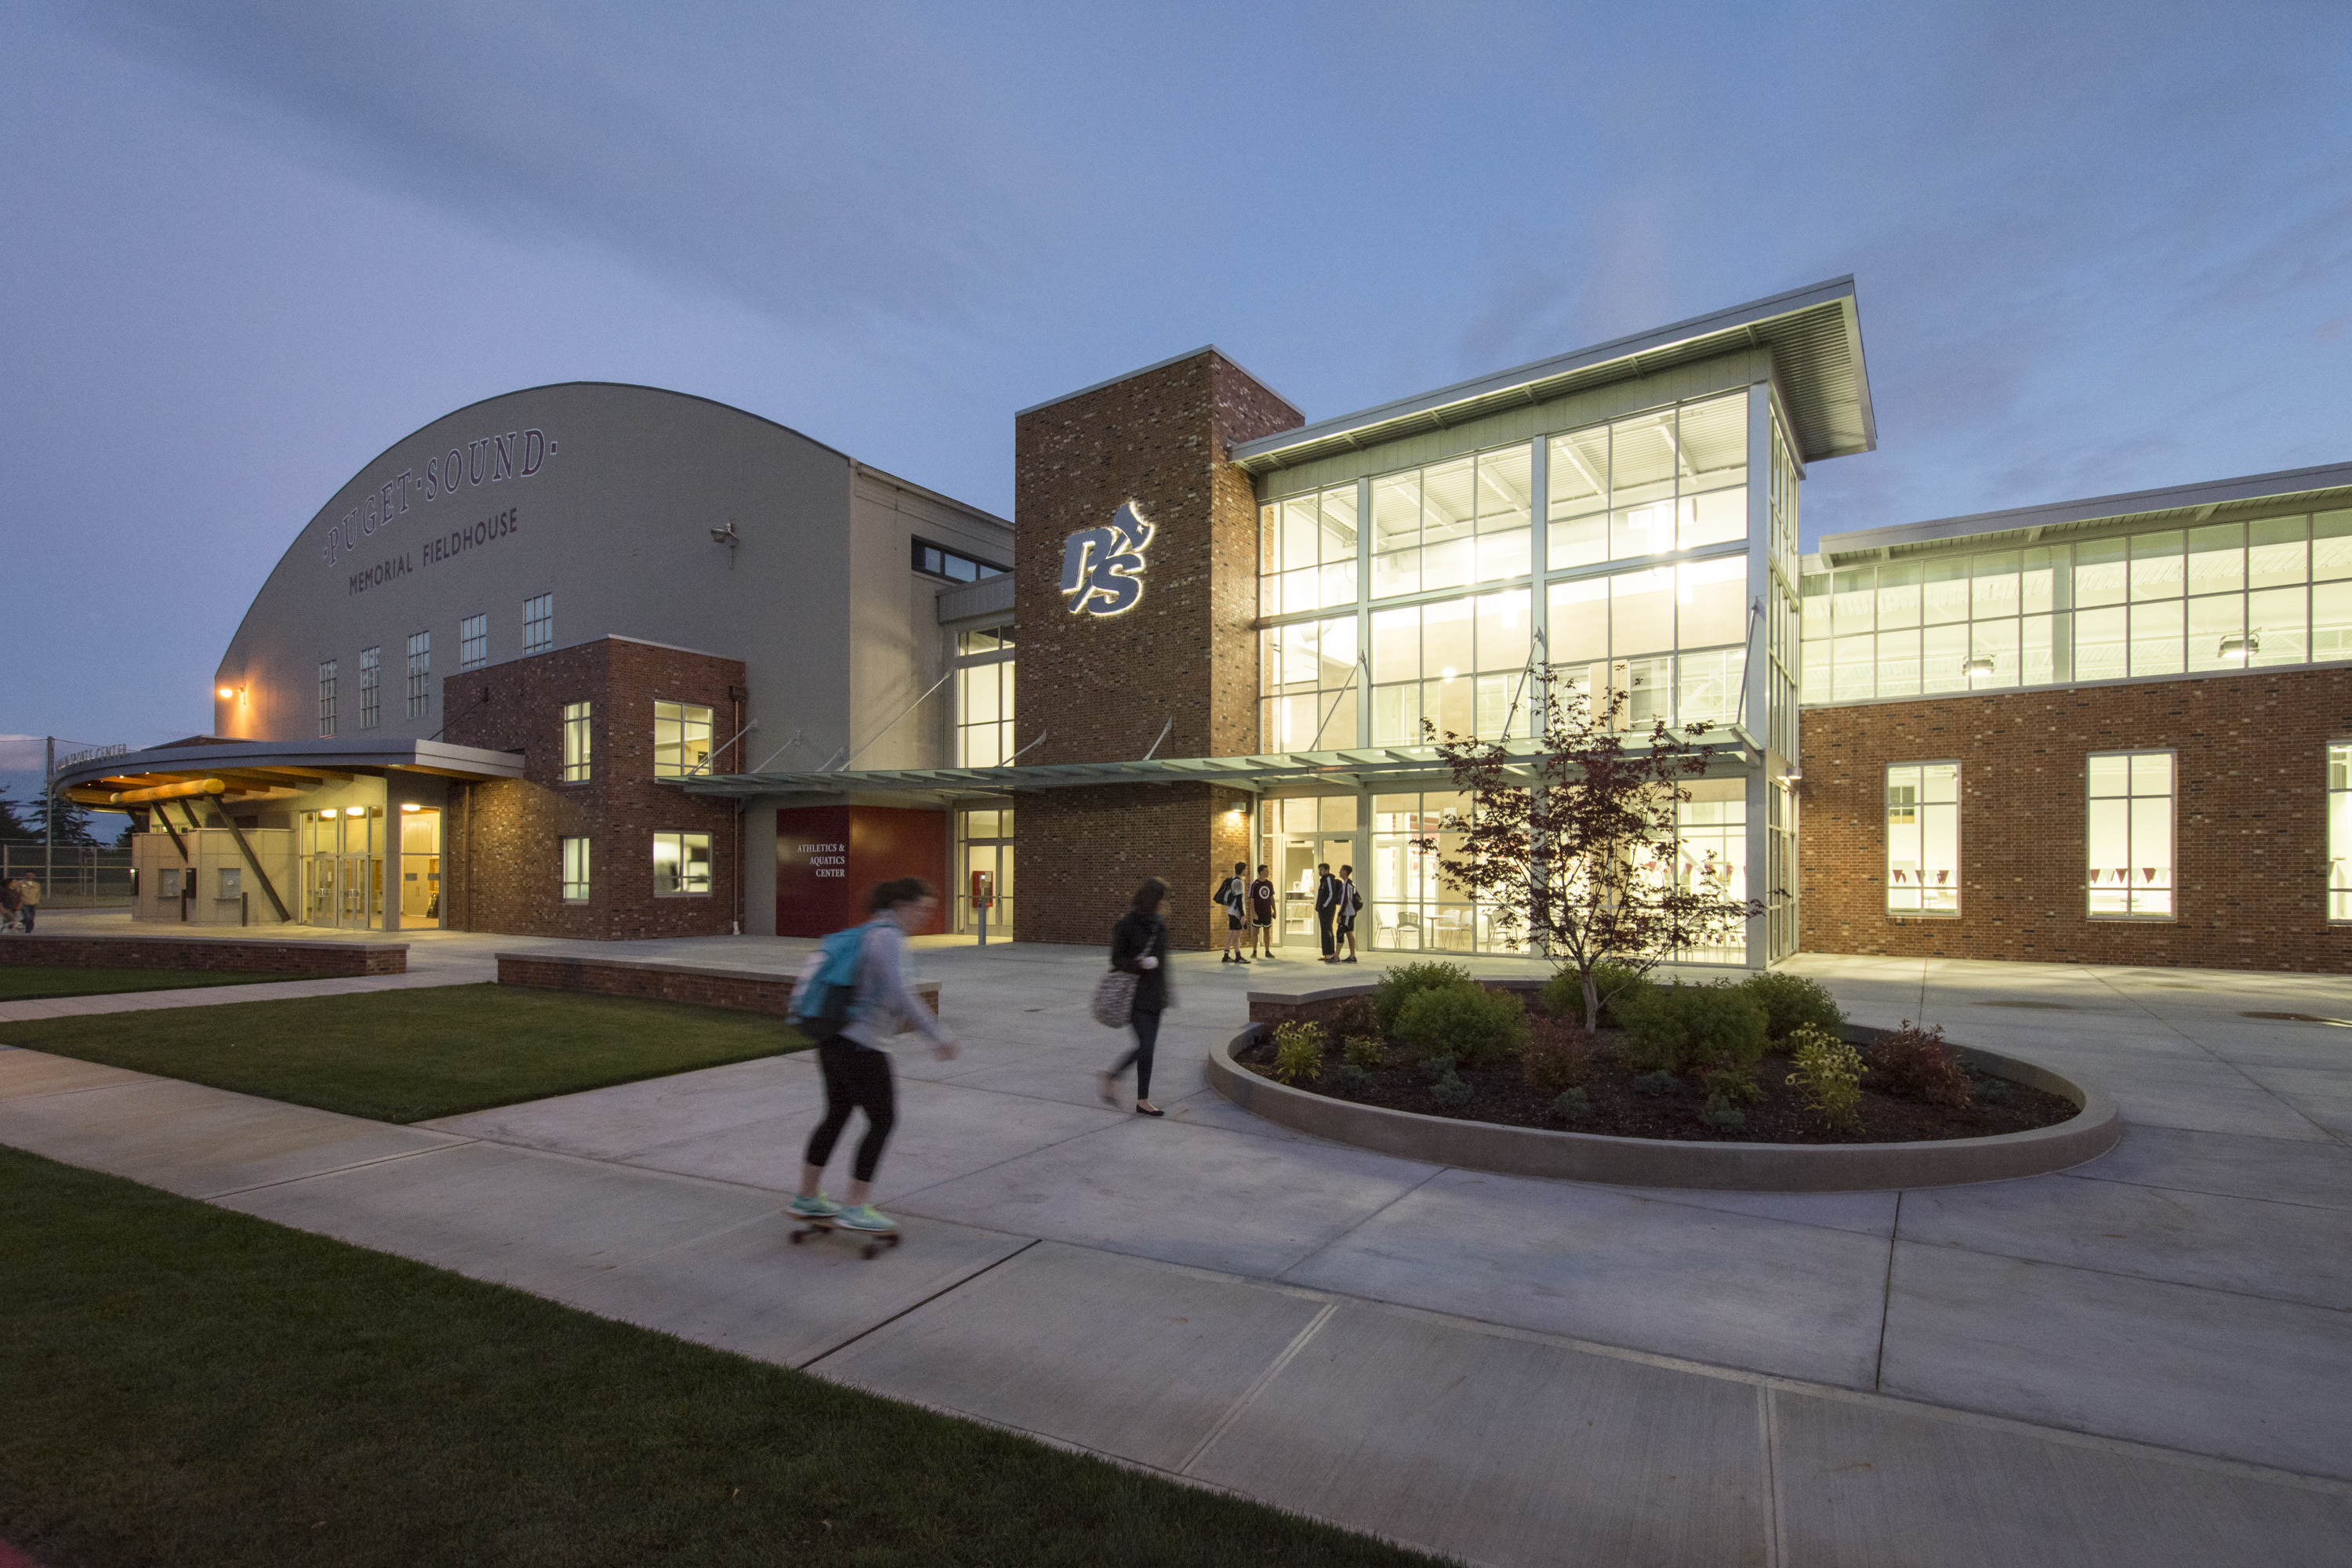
x,y
828,858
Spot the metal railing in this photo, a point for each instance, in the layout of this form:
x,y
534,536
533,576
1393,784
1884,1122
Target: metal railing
x,y
72,876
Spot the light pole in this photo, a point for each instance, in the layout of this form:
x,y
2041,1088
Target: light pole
x,y
50,818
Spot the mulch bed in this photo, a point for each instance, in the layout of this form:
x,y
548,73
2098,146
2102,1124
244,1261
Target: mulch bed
x,y
1625,1108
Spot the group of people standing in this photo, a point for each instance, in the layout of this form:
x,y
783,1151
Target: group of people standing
x,y
20,901
1249,913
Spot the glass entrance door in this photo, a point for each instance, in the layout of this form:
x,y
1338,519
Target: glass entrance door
x,y
342,866
1300,858
420,868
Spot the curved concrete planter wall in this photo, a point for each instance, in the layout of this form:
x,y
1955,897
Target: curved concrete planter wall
x,y
1659,1163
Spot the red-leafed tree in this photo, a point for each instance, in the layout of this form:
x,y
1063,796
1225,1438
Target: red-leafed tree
x,y
1577,844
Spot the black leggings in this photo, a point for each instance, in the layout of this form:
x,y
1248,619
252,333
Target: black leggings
x,y
857,1077
1147,1034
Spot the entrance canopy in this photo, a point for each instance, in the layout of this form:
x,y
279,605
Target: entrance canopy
x,y
253,771
1396,768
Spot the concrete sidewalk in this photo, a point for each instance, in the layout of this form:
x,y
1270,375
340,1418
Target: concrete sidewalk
x,y
2142,1360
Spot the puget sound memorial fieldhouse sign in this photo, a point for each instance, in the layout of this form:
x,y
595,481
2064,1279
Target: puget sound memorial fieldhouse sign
x,y
491,461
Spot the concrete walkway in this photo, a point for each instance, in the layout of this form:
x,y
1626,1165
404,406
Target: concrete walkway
x,y
2141,1361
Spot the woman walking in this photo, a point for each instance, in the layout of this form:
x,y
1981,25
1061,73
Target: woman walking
x,y
856,1069
1139,946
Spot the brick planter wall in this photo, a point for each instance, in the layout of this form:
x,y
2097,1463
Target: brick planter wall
x,y
301,959
2249,821
746,989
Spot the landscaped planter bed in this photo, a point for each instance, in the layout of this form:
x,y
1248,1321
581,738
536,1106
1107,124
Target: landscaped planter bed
x,y
1677,1150
1623,1108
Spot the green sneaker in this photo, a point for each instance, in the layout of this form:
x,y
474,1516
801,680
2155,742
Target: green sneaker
x,y
867,1217
817,1207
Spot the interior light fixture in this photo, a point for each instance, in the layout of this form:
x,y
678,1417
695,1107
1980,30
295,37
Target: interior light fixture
x,y
1979,664
2242,648
409,805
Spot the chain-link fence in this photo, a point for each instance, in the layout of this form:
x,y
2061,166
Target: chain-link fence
x,y
72,877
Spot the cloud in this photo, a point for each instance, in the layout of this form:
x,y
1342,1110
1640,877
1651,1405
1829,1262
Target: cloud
x,y
755,167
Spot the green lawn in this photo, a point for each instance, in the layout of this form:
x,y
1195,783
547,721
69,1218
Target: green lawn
x,y
189,1386
30,982
410,1055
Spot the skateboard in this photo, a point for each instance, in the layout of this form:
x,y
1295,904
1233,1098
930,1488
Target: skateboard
x,y
875,1240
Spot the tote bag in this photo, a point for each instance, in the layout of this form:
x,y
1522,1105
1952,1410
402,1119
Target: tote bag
x,y
1114,1002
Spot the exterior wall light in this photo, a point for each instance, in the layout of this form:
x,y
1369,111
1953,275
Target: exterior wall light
x,y
2241,648
1979,664
409,805
226,692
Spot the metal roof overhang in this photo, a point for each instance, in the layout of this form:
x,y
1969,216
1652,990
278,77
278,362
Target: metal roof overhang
x,y
1815,334
2183,505
275,769
1277,774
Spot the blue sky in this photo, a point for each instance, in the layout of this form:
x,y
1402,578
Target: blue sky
x,y
249,245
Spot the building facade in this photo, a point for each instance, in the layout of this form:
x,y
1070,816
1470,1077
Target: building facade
x,y
613,662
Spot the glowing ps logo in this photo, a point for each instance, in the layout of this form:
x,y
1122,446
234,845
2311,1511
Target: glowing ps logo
x,y
1102,567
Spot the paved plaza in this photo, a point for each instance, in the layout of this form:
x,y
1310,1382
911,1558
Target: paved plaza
x,y
2143,1360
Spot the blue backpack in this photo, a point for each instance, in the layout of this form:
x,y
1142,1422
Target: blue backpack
x,y
824,997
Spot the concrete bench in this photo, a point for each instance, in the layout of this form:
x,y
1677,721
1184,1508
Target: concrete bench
x,y
220,955
747,990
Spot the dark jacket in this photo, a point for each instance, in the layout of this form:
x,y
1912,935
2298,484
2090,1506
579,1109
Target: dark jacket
x,y
1326,892
1137,936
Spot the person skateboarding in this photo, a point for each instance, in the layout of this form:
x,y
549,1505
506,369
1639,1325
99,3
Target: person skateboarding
x,y
856,1069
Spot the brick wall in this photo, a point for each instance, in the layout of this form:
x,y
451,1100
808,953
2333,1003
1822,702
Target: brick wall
x,y
2249,821
306,959
502,859
747,990
1100,689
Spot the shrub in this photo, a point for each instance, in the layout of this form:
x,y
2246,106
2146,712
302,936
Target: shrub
x,y
1474,1026
1354,1015
1690,1028
1563,993
1435,1068
1830,1072
1352,1077
1450,1091
1914,1063
1790,1002
1735,1086
1990,1089
1297,1052
1574,1105
1559,1056
1656,1082
1361,1052
1407,980
1721,1114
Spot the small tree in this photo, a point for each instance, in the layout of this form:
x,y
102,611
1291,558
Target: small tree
x,y
72,822
12,820
1577,845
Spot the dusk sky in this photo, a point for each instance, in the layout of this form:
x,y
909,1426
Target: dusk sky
x,y
248,245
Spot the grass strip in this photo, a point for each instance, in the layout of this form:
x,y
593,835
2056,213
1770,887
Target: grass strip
x,y
34,982
190,1386
411,1056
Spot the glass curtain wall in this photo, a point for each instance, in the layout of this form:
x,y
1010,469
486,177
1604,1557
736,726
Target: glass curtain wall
x,y
1426,593
984,699
2231,596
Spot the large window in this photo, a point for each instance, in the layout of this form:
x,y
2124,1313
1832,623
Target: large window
x,y
938,561
1307,552
1923,838
681,739
2339,833
1711,858
1452,524
575,870
473,642
983,698
576,742
1460,664
1647,634
420,674
1674,479
326,697
2223,597
2131,836
681,864
1308,670
1410,908
371,690
539,624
